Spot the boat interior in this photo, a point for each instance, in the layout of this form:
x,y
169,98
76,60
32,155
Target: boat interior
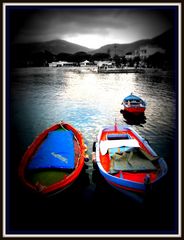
x,y
48,176
125,161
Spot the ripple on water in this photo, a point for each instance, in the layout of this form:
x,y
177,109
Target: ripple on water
x,y
91,101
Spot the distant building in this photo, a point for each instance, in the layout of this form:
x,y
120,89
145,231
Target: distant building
x,y
105,63
146,51
85,63
64,64
53,64
61,64
129,55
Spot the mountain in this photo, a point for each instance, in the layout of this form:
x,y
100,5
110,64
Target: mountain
x,y
120,49
164,41
55,47
40,53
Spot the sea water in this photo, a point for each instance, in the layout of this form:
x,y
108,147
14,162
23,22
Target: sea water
x,y
40,97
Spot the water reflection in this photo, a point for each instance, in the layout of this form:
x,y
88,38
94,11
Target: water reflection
x,y
132,119
90,101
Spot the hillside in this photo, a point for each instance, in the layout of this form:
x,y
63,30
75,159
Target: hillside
x,y
55,47
40,53
164,41
120,49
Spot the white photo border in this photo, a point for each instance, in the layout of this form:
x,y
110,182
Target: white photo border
x,y
176,4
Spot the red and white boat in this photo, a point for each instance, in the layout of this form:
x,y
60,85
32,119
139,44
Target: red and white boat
x,y
126,160
133,104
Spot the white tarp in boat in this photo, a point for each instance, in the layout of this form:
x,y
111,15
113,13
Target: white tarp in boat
x,y
104,145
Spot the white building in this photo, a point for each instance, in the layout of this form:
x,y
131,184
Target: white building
x,y
53,64
129,55
85,63
61,64
105,63
146,51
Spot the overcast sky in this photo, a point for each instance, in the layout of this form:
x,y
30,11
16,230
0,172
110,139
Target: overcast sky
x,y
91,26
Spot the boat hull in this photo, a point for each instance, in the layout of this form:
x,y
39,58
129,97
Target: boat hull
x,y
67,179
134,110
132,185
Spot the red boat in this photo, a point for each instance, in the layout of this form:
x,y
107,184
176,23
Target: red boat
x,y
133,104
126,160
54,160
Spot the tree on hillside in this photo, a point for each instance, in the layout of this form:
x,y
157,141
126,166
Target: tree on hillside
x,y
64,57
117,60
100,57
109,51
38,59
49,57
156,60
81,56
136,61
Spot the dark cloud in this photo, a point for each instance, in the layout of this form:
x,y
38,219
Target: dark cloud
x,y
126,24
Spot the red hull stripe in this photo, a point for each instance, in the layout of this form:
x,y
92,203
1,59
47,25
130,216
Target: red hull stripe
x,y
135,110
